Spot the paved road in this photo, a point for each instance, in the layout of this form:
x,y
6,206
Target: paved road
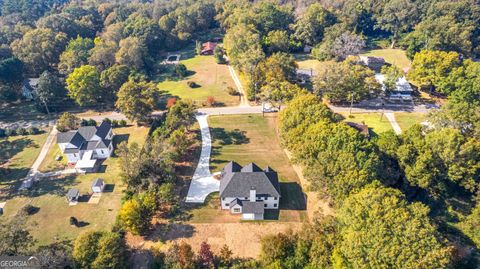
x,y
203,183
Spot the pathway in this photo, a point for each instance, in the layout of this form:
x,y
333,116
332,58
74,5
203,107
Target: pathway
x,y
393,122
203,183
44,151
243,99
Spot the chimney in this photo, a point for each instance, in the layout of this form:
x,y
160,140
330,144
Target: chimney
x,y
253,194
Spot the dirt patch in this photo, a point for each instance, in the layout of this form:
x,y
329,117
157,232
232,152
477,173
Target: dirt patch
x,y
242,238
314,204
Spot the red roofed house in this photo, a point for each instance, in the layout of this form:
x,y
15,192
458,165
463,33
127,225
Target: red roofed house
x,y
207,48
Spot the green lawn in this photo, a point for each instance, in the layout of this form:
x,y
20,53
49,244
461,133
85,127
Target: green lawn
x,y
212,78
393,56
52,219
405,120
375,121
23,151
253,138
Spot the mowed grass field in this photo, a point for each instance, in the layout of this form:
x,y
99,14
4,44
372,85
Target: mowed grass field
x,y
213,80
405,119
253,138
374,121
393,56
23,150
51,222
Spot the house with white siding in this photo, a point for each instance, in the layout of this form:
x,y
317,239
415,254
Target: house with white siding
x,y
249,190
85,146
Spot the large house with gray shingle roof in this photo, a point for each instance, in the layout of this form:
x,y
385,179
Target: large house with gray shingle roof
x,y
249,190
83,147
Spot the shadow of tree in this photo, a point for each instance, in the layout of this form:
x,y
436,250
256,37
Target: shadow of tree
x,y
234,137
171,231
293,197
55,186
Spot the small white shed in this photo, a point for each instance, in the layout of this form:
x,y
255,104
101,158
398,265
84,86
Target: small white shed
x,y
98,185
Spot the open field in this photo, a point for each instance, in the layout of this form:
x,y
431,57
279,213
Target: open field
x,y
52,219
393,56
253,138
375,121
405,120
212,78
23,150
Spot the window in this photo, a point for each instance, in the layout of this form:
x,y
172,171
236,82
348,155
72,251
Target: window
x,y
102,151
236,210
223,198
274,205
265,205
227,204
275,198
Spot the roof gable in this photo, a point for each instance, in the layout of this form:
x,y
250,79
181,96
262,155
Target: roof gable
x,y
239,184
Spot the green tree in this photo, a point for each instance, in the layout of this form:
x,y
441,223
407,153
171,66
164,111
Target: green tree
x,y
103,54
83,85
136,100
392,74
243,46
51,91
110,252
39,49
302,110
430,68
346,81
15,239
470,225
309,29
277,40
85,248
66,122
132,53
396,17
11,70
113,78
75,55
180,114
378,226
98,250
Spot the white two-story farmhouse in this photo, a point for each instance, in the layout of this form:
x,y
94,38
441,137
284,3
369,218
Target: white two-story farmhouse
x,y
249,190
83,147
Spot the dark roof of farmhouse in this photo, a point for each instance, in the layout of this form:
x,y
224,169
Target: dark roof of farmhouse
x,y
236,182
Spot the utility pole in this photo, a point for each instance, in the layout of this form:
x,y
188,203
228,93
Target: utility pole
x,y
351,104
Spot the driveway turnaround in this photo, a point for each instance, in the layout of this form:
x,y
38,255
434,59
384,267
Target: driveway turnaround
x,y
203,183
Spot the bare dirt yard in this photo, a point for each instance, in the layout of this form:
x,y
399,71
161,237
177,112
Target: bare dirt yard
x,y
242,238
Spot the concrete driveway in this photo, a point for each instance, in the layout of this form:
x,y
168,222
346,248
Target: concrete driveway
x,y
203,183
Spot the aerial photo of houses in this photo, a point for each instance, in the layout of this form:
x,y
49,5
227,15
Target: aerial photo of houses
x,y
293,134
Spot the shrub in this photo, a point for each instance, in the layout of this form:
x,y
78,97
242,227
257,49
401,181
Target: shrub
x,y
73,221
2,132
92,122
122,123
84,122
210,101
28,210
232,91
21,131
180,70
192,84
67,122
107,120
10,132
33,130
114,123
